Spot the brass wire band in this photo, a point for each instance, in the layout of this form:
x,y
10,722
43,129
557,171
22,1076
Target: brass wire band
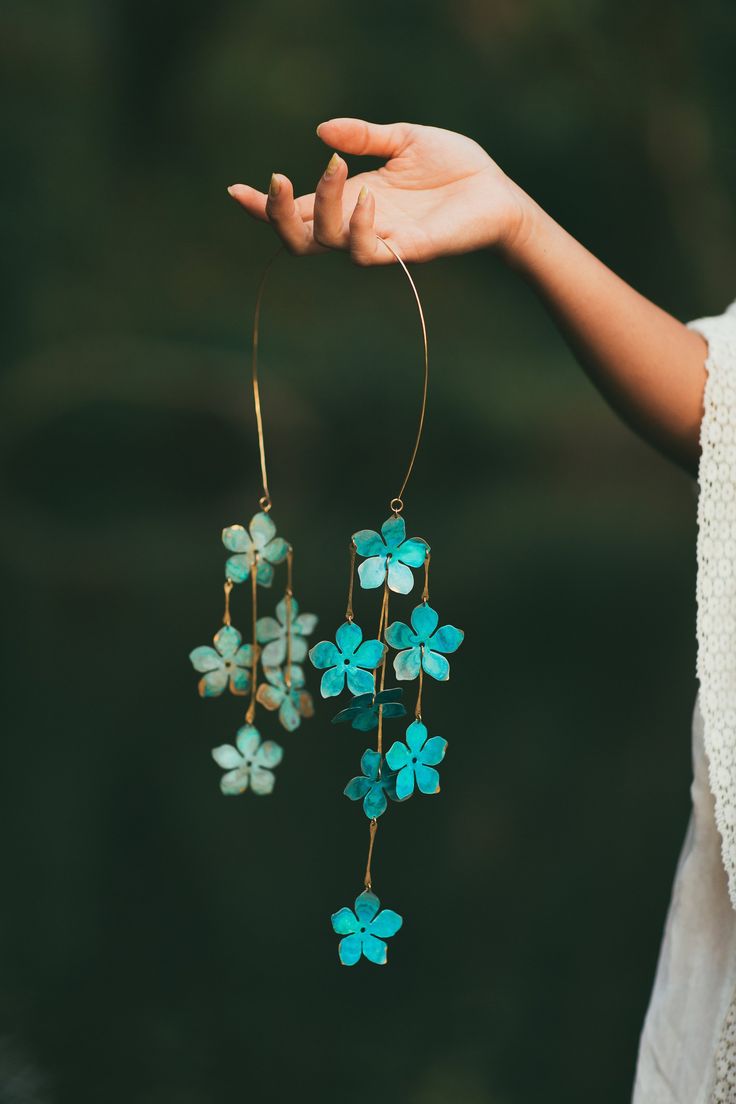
x,y
382,632
226,614
425,592
397,503
349,608
372,828
288,596
254,667
418,706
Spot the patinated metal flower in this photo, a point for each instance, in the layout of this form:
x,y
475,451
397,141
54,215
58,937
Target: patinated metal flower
x,y
271,632
374,785
257,545
249,764
389,551
363,710
293,702
422,644
227,662
365,929
350,657
415,761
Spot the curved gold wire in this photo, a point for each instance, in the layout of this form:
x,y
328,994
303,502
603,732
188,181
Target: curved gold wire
x,y
397,503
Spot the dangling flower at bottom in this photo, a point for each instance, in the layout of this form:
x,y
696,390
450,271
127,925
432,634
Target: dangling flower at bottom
x,y
249,763
365,929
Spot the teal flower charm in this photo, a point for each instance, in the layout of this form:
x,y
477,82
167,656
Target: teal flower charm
x,y
271,632
226,662
365,930
422,644
347,658
293,702
363,710
249,763
257,545
373,785
415,761
389,551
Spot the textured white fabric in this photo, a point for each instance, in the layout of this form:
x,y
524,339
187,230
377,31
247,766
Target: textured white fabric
x,y
687,1050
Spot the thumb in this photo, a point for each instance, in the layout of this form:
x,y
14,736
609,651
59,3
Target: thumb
x,y
361,137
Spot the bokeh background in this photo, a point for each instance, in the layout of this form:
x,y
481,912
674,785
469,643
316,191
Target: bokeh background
x,y
164,945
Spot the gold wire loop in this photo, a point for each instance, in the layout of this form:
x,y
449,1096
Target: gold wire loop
x,y
373,826
397,503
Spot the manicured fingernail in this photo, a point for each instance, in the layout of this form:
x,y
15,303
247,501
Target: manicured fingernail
x,y
275,186
231,189
332,165
317,130
362,195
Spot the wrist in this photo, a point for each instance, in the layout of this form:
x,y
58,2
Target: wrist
x,y
526,230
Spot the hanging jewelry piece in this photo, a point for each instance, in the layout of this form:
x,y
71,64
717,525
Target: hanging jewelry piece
x,y
277,647
358,664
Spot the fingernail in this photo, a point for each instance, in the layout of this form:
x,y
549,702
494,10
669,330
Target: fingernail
x,y
231,189
362,195
317,130
275,186
332,165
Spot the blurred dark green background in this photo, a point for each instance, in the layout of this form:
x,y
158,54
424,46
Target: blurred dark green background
x,y
163,945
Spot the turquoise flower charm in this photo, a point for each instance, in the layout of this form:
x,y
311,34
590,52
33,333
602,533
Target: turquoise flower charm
x,y
363,710
293,702
415,761
227,661
422,644
257,545
365,930
249,763
389,551
347,658
373,785
271,632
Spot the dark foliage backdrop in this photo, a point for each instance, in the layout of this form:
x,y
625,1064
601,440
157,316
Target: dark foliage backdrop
x,y
162,945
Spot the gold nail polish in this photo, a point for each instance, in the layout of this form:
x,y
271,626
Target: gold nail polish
x,y
275,186
332,165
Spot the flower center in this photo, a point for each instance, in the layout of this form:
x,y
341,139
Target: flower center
x,y
414,759
362,929
346,662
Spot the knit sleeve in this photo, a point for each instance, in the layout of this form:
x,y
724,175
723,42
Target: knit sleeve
x,y
716,575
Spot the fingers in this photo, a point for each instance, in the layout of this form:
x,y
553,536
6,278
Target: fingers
x,y
329,225
286,215
361,137
365,246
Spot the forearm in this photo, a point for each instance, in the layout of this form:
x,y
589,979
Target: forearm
x,y
646,364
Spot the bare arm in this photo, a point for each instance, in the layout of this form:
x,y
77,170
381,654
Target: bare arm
x,y
439,193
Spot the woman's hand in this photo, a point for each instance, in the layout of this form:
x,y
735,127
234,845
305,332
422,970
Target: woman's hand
x,y
438,193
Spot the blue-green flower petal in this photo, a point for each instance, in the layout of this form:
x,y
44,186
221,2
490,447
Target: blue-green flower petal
x,y
227,641
348,638
333,682
248,740
366,720
404,784
227,757
240,680
435,665
397,756
406,664
400,578
357,787
244,656
305,623
447,639
213,683
433,751
368,543
412,552
264,573
262,529
386,924
375,950
375,802
235,782
393,709
369,654
275,551
267,629
372,572
237,568
324,654
416,734
236,539
359,681
289,715
205,658
269,754
399,635
424,621
261,781
367,905
350,949
345,922
393,532
370,763
428,779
